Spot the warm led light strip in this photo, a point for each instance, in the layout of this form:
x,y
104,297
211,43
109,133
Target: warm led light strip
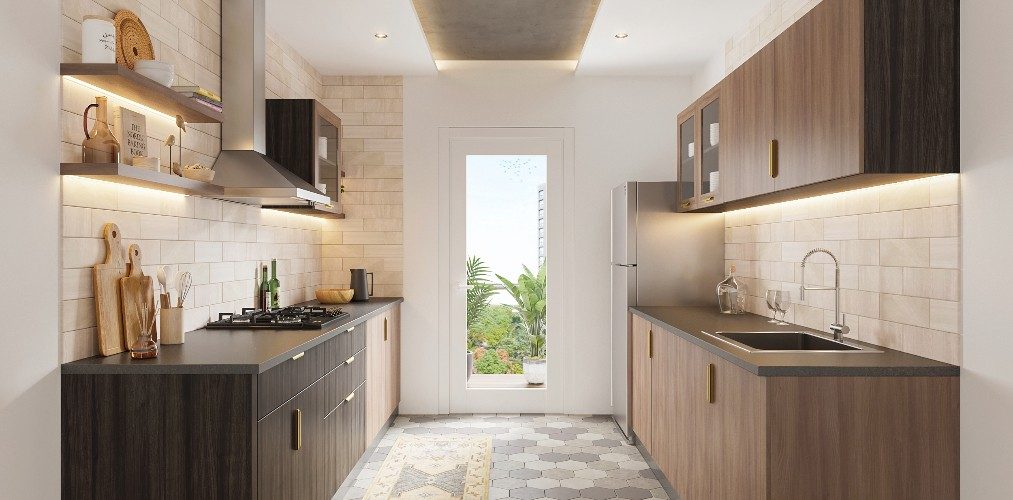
x,y
118,97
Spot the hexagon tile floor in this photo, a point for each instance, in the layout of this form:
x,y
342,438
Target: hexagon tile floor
x,y
562,457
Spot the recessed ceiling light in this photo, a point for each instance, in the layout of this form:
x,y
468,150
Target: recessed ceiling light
x,y
381,35
621,35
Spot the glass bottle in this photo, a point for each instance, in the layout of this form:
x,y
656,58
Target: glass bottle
x,y
731,294
274,285
265,290
145,346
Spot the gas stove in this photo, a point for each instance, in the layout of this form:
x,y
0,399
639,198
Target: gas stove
x,y
289,318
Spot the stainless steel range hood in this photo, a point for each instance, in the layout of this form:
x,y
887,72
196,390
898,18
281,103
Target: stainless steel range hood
x,y
243,169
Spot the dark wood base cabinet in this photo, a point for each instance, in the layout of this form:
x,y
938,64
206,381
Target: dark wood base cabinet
x,y
295,431
716,430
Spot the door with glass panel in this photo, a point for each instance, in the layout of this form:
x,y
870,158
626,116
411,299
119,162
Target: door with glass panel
x,y
505,216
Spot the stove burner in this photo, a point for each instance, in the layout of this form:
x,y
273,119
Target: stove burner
x,y
288,318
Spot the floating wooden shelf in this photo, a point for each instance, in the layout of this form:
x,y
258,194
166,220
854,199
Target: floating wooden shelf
x,y
136,176
130,84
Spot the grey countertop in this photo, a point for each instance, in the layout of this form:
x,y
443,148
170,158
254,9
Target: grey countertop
x,y
230,351
690,322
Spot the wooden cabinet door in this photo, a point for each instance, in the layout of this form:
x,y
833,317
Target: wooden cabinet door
x,y
641,390
376,385
687,421
392,322
747,127
818,96
664,386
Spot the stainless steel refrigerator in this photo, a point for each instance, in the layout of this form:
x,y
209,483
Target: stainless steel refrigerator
x,y
659,258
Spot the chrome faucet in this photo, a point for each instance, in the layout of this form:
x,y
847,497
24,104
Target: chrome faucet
x,y
838,328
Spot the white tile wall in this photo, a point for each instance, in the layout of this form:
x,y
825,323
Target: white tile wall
x,y
899,248
772,19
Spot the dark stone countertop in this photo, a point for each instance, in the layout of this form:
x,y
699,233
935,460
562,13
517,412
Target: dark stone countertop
x,y
230,351
690,322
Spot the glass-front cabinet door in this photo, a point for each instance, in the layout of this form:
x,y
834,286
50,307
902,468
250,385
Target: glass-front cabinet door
x,y
328,174
686,170
710,177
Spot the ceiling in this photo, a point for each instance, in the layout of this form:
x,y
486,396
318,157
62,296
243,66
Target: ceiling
x,y
511,30
336,36
666,37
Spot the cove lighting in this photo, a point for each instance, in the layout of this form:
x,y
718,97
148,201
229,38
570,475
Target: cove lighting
x,y
117,97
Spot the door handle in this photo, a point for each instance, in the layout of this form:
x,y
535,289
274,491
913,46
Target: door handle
x,y
772,159
350,360
298,356
385,329
350,397
710,382
650,343
297,429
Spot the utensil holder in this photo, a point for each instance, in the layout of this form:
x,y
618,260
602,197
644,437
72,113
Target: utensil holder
x,y
172,326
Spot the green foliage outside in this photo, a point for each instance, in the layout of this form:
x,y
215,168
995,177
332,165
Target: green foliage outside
x,y
501,336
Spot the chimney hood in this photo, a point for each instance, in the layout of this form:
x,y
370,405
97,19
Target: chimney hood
x,y
247,174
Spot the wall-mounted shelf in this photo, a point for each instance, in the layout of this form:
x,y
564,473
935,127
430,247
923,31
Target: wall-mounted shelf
x,y
136,176
130,84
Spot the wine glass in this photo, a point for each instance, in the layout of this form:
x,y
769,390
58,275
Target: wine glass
x,y
782,302
770,305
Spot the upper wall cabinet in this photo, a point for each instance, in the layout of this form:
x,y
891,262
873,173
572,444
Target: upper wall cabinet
x,y
856,93
700,153
303,135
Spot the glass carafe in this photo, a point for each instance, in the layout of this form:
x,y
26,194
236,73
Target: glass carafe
x,y
731,294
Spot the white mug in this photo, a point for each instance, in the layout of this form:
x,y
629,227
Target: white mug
x,y
691,149
98,40
715,130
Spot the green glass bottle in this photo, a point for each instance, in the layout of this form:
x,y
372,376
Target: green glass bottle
x,y
265,289
274,285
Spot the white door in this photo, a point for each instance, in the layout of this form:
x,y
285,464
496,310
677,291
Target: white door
x,y
506,219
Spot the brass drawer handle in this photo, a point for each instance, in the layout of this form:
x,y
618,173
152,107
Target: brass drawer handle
x,y
350,329
350,397
297,430
385,329
297,356
708,199
772,160
685,204
350,360
650,343
710,382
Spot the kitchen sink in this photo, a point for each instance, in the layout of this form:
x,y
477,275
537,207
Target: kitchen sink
x,y
781,342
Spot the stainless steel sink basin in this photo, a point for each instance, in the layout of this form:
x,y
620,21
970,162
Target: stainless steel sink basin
x,y
784,342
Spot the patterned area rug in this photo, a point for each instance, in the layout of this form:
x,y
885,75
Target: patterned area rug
x,y
435,468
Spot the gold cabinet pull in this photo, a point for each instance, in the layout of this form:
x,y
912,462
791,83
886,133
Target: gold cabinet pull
x,y
650,343
772,160
685,204
708,199
710,382
350,397
350,329
384,328
297,356
350,360
297,430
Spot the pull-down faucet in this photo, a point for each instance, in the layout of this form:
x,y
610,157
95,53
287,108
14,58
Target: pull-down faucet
x,y
838,328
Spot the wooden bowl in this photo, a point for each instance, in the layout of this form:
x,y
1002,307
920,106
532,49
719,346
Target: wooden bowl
x,y
335,295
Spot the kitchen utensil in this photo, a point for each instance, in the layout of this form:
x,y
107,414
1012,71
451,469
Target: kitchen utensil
x,y
171,328
358,281
132,40
163,295
98,40
99,145
185,282
335,295
108,310
198,172
160,72
138,297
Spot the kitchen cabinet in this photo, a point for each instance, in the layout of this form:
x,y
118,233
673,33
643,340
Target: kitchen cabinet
x,y
640,417
855,93
720,431
289,428
383,393
304,137
699,152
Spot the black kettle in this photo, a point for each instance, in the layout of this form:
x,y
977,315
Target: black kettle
x,y
359,285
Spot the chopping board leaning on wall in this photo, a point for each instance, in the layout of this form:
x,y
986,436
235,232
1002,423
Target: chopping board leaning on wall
x,y
108,308
138,296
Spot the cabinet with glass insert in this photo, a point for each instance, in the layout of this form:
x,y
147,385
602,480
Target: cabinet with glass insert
x,y
698,171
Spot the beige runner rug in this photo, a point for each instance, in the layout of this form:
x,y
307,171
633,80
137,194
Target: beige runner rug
x,y
435,468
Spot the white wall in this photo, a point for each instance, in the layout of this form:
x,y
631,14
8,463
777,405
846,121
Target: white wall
x,y
712,72
624,130
986,144
29,256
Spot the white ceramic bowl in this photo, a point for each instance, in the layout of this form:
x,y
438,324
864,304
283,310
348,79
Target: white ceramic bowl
x,y
156,70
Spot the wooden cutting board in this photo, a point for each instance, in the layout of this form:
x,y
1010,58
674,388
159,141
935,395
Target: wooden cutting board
x,y
136,290
108,309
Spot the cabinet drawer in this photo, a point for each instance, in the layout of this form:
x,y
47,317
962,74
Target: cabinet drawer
x,y
350,341
349,375
280,383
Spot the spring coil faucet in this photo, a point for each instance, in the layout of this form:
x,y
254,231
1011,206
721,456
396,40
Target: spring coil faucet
x,y
838,328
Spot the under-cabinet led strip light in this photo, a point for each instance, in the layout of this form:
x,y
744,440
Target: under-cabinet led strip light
x,y
118,97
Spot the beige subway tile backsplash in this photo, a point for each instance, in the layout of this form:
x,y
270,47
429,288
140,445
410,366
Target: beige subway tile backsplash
x,y
899,251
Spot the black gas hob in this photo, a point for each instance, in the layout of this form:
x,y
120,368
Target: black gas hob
x,y
288,318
